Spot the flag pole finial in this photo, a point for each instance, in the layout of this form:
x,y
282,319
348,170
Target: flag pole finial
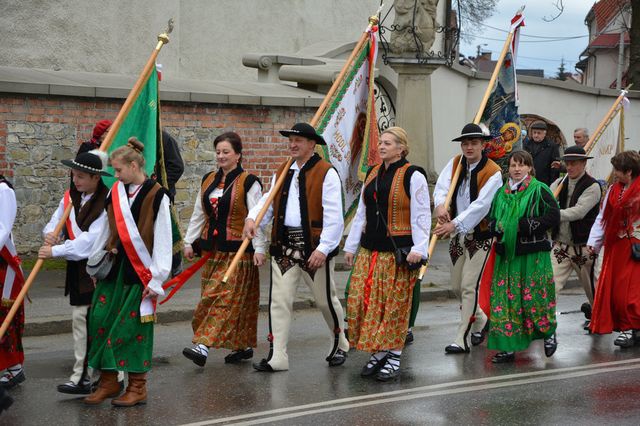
x,y
163,38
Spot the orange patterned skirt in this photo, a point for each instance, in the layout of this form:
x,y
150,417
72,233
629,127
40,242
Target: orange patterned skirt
x,y
379,302
227,314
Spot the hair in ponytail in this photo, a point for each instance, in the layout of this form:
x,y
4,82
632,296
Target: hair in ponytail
x,y
131,152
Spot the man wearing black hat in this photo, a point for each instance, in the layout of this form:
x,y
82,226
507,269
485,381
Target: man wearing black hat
x,y
579,201
307,227
545,153
87,195
466,220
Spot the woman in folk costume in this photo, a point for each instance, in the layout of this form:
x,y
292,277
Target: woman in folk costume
x,y
11,281
522,292
227,314
393,214
138,232
617,227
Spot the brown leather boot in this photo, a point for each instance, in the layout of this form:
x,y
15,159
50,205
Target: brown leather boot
x,y
108,388
136,391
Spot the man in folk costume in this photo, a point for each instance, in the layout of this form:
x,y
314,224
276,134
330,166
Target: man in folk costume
x,y
11,281
466,220
579,201
307,228
87,195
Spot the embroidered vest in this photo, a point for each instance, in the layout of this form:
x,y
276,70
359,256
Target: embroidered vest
x,y
311,177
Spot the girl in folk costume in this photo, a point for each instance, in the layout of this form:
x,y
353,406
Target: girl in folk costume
x,y
227,314
11,281
617,227
87,194
393,215
138,233
522,292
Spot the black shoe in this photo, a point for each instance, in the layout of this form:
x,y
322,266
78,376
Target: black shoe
x,y
195,356
237,356
263,365
82,388
550,345
389,371
338,358
586,325
375,367
455,349
478,337
624,339
503,357
586,310
11,380
409,339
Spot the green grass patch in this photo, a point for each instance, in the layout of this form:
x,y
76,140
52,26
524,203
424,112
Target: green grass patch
x,y
48,265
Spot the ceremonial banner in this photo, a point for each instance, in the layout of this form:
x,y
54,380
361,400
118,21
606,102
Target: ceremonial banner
x,y
141,122
608,144
500,114
349,126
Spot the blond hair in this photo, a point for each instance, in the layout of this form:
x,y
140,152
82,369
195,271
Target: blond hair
x,y
401,137
130,153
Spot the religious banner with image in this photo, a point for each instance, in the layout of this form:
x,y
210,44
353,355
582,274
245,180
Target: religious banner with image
x,y
348,125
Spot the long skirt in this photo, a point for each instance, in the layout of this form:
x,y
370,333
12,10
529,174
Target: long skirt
x,y
523,302
227,314
379,302
617,300
119,340
11,351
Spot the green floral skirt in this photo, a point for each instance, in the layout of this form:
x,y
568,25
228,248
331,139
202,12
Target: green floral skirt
x,y
118,338
523,302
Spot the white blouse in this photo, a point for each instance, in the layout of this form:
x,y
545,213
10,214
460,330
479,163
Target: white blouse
x,y
7,213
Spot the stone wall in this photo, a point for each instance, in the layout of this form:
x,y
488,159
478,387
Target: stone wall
x,y
37,132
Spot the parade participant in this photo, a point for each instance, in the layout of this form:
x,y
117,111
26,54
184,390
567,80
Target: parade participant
x,y
579,201
227,314
478,182
581,136
522,291
545,153
307,227
97,136
137,234
393,214
87,196
11,281
617,228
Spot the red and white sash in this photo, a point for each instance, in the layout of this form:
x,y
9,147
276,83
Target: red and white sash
x,y
11,276
133,245
71,224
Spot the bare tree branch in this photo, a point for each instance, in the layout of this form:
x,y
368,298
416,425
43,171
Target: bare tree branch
x,y
560,6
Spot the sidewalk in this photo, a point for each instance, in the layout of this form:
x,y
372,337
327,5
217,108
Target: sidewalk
x,y
50,313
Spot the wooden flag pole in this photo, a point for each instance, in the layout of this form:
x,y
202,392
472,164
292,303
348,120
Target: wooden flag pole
x,y
476,120
595,137
113,130
373,21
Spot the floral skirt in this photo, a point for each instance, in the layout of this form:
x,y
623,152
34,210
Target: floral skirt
x,y
119,340
379,302
227,314
523,302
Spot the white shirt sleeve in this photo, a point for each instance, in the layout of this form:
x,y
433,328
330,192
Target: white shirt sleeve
x,y
80,247
253,198
102,235
197,221
442,185
596,236
420,208
479,208
588,200
332,214
7,212
162,248
55,218
357,226
253,212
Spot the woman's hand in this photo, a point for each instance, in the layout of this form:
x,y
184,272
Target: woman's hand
x,y
51,239
414,257
188,253
147,292
348,258
259,259
45,252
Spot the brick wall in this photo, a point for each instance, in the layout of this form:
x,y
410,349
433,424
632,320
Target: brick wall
x,y
36,132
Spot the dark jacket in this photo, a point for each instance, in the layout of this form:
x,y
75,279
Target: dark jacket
x,y
172,162
544,153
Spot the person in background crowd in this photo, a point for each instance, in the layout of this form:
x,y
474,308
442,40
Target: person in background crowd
x,y
545,153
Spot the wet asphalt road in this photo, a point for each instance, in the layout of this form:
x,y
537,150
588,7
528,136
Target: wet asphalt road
x,y
588,381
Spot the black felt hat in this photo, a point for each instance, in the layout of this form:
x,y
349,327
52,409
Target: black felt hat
x,y
472,131
575,153
93,162
305,130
